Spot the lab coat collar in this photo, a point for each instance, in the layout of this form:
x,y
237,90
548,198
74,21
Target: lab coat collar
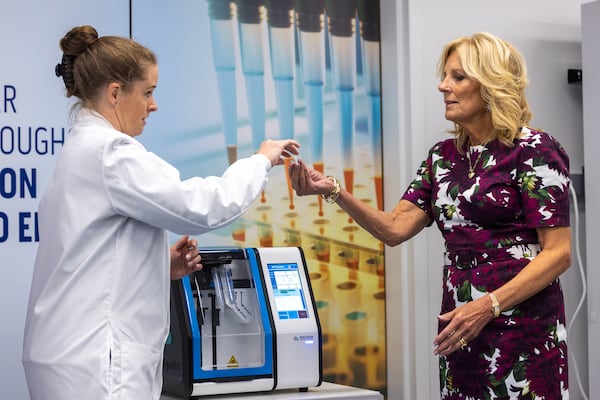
x,y
86,115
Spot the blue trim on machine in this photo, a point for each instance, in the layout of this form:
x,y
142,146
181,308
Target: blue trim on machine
x,y
266,370
191,313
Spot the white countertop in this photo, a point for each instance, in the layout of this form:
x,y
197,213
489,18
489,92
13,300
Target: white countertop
x,y
325,391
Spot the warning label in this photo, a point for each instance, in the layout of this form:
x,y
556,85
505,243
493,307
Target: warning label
x,y
233,363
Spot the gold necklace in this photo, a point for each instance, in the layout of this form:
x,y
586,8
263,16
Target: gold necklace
x,y
471,172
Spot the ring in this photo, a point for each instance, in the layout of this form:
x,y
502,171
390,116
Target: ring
x,y
463,343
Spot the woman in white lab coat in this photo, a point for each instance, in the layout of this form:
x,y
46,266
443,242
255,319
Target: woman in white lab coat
x,y
98,311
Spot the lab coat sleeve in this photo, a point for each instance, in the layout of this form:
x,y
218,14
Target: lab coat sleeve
x,y
143,186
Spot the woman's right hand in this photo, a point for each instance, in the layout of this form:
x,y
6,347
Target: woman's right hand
x,y
306,180
275,150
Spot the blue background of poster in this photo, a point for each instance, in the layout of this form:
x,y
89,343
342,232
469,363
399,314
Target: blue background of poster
x,y
29,53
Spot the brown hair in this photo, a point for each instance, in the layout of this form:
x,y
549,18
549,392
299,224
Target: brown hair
x,y
90,62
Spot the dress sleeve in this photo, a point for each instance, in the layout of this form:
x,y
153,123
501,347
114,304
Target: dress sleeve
x,y
543,175
419,191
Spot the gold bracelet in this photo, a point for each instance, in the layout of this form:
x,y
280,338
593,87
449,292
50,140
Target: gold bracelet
x,y
335,192
495,305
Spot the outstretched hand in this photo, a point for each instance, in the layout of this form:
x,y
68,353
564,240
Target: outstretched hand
x,y
277,150
184,257
306,180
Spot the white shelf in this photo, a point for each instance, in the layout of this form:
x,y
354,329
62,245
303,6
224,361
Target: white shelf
x,y
325,391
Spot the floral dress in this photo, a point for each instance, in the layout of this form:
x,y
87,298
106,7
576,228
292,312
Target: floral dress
x,y
488,203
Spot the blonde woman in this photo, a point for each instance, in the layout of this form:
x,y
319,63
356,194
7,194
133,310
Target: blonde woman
x,y
498,192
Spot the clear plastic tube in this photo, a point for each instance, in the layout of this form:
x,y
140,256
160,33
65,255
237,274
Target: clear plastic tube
x,y
218,288
226,278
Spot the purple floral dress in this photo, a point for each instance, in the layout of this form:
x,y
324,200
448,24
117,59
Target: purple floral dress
x,y
488,219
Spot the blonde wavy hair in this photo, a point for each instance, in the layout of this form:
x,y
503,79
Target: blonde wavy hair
x,y
502,73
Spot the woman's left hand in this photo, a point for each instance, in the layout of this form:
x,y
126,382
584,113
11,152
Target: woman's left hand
x,y
184,257
463,324
467,321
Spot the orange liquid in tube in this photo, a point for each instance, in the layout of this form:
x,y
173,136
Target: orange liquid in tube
x,y
318,166
286,163
379,191
239,235
231,153
349,181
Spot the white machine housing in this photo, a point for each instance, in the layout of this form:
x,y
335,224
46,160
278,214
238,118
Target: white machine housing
x,y
247,322
297,347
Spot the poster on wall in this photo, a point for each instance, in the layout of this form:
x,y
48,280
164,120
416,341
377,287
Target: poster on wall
x,y
233,73
33,127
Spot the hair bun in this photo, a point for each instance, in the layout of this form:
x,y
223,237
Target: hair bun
x,y
75,42
78,39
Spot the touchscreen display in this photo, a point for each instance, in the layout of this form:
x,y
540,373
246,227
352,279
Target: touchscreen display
x,y
287,290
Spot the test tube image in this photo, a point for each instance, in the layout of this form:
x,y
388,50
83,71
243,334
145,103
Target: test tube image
x,y
249,15
311,40
283,60
342,48
368,12
222,45
282,56
318,83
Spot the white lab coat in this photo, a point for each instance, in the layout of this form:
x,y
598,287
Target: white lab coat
x,y
98,311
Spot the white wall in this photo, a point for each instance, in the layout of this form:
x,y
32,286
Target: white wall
x,y
591,63
548,33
